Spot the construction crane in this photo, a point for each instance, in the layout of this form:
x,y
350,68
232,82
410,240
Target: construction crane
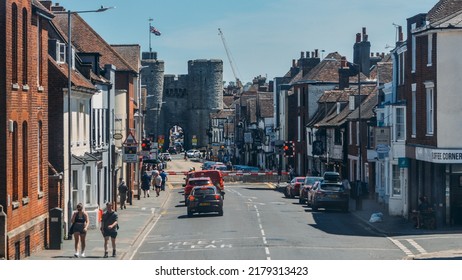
x,y
238,82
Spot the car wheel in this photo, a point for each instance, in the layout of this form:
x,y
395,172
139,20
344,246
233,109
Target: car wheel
x,y
286,193
345,208
190,213
314,207
300,200
220,213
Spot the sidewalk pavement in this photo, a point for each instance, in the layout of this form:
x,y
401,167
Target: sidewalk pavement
x,y
133,221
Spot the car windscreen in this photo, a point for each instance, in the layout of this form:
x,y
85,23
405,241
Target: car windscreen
x,y
203,191
312,180
332,187
199,182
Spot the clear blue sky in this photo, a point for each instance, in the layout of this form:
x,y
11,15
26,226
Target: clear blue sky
x,y
263,36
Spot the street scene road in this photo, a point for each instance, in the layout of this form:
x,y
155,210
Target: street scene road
x,y
260,223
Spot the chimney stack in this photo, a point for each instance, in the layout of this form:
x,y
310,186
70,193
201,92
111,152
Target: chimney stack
x,y
302,55
400,33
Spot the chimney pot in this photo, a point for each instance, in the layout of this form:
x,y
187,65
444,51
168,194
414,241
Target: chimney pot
x,y
307,54
316,53
366,37
293,63
302,55
400,33
372,54
358,37
377,54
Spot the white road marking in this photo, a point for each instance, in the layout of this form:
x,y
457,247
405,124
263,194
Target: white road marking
x,y
401,246
417,246
144,237
267,251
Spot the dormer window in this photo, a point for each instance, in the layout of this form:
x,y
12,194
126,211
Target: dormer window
x,y
60,53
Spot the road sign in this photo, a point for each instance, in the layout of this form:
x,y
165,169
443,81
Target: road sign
x,y
130,140
130,154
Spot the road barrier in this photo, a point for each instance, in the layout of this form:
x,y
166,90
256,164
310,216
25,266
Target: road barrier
x,y
235,176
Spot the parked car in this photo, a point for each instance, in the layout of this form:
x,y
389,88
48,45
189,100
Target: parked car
x,y
307,185
328,194
166,157
195,182
220,167
207,165
293,188
246,168
193,154
205,199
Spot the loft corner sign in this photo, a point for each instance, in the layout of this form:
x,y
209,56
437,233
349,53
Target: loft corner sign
x,y
130,140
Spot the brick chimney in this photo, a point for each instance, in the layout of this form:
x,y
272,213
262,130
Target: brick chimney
x,y
343,74
361,52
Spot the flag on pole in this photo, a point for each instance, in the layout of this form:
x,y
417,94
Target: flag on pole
x,y
154,30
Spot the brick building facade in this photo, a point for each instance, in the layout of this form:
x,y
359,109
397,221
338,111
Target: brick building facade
x,y
23,120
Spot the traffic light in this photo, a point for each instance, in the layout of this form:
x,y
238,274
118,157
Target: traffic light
x,y
288,148
146,145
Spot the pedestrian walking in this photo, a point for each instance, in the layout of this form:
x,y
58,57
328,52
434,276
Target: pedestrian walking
x,y
145,183
164,177
157,181
109,227
123,190
79,228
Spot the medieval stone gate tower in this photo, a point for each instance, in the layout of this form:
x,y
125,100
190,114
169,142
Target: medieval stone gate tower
x,y
183,100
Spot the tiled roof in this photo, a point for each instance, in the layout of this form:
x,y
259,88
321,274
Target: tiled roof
x,y
367,107
37,5
266,107
326,70
444,9
131,53
78,80
228,100
383,72
86,39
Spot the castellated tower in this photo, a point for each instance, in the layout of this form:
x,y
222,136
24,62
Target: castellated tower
x,y
205,86
152,77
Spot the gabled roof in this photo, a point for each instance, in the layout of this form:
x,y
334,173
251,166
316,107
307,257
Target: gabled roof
x,y
367,107
131,53
444,10
326,70
86,39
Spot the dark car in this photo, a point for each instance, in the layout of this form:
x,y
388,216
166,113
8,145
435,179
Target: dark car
x,y
293,188
307,185
195,182
205,199
328,194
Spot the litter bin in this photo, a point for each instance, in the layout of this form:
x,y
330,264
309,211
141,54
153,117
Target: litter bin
x,y
56,228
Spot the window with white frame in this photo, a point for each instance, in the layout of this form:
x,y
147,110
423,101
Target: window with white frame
x,y
413,55
75,188
414,111
88,185
430,107
396,180
399,124
429,49
60,53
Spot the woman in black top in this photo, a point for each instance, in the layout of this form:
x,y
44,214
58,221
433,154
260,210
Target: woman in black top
x,y
80,225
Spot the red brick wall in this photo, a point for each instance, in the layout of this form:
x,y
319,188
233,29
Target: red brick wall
x,y
31,106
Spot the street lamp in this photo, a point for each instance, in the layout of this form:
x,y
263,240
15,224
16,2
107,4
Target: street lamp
x,y
69,91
